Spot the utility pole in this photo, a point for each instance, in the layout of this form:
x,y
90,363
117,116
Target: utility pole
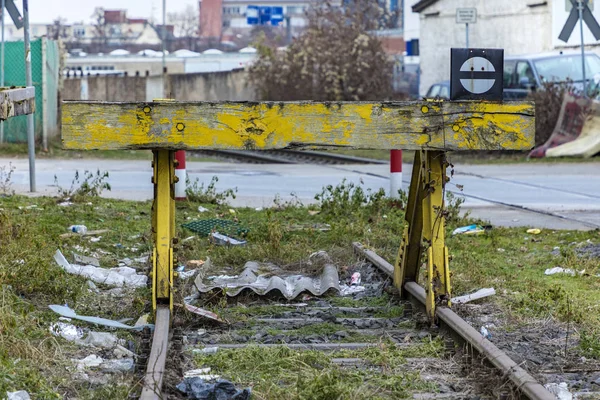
x,y
2,68
164,38
580,4
28,82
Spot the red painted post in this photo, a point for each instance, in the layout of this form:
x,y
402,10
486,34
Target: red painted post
x,y
180,173
395,173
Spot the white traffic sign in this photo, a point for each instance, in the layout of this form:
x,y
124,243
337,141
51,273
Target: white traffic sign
x,y
466,15
476,74
478,83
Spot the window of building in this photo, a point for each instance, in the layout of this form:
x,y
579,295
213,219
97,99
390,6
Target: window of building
x,y
79,32
295,10
231,10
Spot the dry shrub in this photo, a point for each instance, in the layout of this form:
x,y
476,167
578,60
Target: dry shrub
x,y
335,59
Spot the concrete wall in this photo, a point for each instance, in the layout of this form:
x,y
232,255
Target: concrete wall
x,y
105,88
214,86
509,25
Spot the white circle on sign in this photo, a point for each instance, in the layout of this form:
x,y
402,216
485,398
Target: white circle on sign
x,y
475,65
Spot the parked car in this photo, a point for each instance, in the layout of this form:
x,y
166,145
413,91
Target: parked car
x,y
523,74
440,90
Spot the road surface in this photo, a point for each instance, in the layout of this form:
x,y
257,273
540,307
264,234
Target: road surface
x,y
553,196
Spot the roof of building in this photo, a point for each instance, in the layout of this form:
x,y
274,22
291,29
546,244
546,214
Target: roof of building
x,y
422,5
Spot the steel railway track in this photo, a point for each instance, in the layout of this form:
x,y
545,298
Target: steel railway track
x,y
286,157
358,330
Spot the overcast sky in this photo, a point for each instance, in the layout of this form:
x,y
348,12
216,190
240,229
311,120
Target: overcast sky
x,y
46,11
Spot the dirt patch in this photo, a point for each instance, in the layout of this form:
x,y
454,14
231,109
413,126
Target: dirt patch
x,y
547,349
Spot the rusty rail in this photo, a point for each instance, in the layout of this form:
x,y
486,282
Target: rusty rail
x,y
522,380
155,370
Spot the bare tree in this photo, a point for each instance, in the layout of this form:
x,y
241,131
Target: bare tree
x,y
335,59
186,24
58,29
100,29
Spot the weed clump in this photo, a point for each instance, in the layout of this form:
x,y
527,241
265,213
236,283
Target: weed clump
x,y
348,198
197,193
84,186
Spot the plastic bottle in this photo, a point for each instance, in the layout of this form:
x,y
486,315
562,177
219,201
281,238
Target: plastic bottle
x,y
81,229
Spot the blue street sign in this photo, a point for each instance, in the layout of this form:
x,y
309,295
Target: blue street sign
x,y
276,16
265,15
253,15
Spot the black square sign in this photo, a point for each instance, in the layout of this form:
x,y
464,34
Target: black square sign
x,y
476,74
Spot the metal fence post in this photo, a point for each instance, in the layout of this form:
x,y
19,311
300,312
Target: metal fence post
x,y
30,132
2,69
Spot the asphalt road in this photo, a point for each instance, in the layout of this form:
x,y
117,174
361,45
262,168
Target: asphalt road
x,y
553,196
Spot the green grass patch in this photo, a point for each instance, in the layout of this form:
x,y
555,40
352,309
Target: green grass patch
x,y
282,373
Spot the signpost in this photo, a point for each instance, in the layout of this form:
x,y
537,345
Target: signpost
x,y
580,11
264,15
466,16
476,74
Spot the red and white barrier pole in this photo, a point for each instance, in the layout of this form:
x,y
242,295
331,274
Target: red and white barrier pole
x,y
181,174
395,173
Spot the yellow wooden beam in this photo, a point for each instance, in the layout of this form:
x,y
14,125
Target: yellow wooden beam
x,y
414,125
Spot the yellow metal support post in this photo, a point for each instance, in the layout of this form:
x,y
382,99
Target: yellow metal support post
x,y
425,231
163,228
434,234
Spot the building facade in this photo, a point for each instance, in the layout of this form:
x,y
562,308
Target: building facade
x,y
517,26
230,19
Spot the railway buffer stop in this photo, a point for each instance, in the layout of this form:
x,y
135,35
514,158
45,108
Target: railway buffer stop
x,y
474,119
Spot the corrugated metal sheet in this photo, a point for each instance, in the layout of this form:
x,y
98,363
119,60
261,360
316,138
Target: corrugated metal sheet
x,y
289,286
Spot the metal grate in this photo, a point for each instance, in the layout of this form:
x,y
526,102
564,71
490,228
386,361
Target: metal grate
x,y
223,226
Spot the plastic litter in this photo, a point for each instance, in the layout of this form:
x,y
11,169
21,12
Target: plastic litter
x,y
223,240
88,233
485,333
86,260
346,290
560,390
81,229
309,227
534,231
184,275
196,388
18,395
103,340
143,320
469,230
355,279
90,361
206,350
559,270
121,352
66,331
69,313
122,365
121,276
202,373
195,263
202,209
481,293
202,312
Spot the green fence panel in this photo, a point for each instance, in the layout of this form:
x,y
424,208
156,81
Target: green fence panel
x,y
15,129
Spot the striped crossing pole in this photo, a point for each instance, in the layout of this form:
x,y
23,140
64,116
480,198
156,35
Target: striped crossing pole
x,y
395,173
180,173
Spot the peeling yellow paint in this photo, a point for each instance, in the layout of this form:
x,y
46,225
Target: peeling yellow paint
x,y
473,125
